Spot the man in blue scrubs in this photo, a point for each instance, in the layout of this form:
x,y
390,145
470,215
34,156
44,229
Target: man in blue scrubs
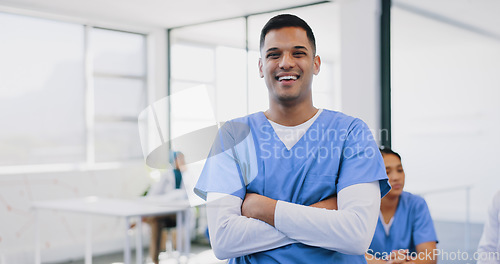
x,y
273,178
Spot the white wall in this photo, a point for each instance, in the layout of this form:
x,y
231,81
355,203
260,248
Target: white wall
x,y
359,54
445,108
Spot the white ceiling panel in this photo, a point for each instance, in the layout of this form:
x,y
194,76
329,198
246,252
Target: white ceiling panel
x,y
153,13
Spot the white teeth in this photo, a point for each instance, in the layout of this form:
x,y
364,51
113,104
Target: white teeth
x,y
288,77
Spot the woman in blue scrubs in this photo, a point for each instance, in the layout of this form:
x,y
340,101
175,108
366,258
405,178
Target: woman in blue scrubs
x,y
405,230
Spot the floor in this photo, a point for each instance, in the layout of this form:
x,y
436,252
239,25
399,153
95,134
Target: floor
x,y
201,253
454,248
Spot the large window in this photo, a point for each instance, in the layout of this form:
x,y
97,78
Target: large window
x,y
206,55
41,91
69,93
119,75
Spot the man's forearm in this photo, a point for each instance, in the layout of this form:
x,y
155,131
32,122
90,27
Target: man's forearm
x,y
233,235
263,208
259,207
329,203
348,231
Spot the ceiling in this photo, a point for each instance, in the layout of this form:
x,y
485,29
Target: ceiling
x,y
479,15
153,13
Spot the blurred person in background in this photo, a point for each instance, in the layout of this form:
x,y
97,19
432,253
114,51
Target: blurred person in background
x,y
489,245
405,230
170,188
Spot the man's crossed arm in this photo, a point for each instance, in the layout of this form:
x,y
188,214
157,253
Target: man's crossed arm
x,y
259,223
261,207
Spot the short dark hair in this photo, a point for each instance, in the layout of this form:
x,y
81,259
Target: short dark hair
x,y
287,20
386,150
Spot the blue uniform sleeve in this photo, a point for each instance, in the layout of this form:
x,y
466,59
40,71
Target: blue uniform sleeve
x,y
361,161
423,226
230,162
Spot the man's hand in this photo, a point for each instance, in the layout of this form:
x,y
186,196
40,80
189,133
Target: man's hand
x,y
259,207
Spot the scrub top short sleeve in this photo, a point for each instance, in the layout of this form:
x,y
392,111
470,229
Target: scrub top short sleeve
x,y
230,162
423,226
412,225
361,161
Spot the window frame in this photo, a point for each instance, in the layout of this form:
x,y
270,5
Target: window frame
x,y
89,163
91,118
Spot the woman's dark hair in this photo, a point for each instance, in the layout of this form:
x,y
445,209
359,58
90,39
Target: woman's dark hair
x,y
387,150
287,20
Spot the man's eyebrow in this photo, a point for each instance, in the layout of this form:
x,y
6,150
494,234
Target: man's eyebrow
x,y
295,47
271,49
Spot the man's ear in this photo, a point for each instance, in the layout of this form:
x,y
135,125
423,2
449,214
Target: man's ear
x,y
317,64
261,73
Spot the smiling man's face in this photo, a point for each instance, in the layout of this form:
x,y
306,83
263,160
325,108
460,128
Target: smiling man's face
x,y
287,64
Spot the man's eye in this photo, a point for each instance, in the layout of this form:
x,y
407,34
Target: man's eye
x,y
273,55
298,54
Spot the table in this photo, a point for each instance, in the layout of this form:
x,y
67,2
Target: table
x,y
119,208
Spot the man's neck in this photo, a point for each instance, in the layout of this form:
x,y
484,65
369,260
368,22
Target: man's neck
x,y
290,116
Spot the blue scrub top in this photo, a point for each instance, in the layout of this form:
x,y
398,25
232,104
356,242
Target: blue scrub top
x,y
335,152
412,225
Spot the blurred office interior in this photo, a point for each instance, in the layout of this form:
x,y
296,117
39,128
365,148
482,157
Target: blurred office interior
x,y
75,76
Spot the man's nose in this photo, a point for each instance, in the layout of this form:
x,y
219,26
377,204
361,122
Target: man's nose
x,y
287,61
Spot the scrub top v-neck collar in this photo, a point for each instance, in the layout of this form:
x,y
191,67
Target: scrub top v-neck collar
x,y
388,226
270,126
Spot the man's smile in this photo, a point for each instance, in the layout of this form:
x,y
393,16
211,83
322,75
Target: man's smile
x,y
287,77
